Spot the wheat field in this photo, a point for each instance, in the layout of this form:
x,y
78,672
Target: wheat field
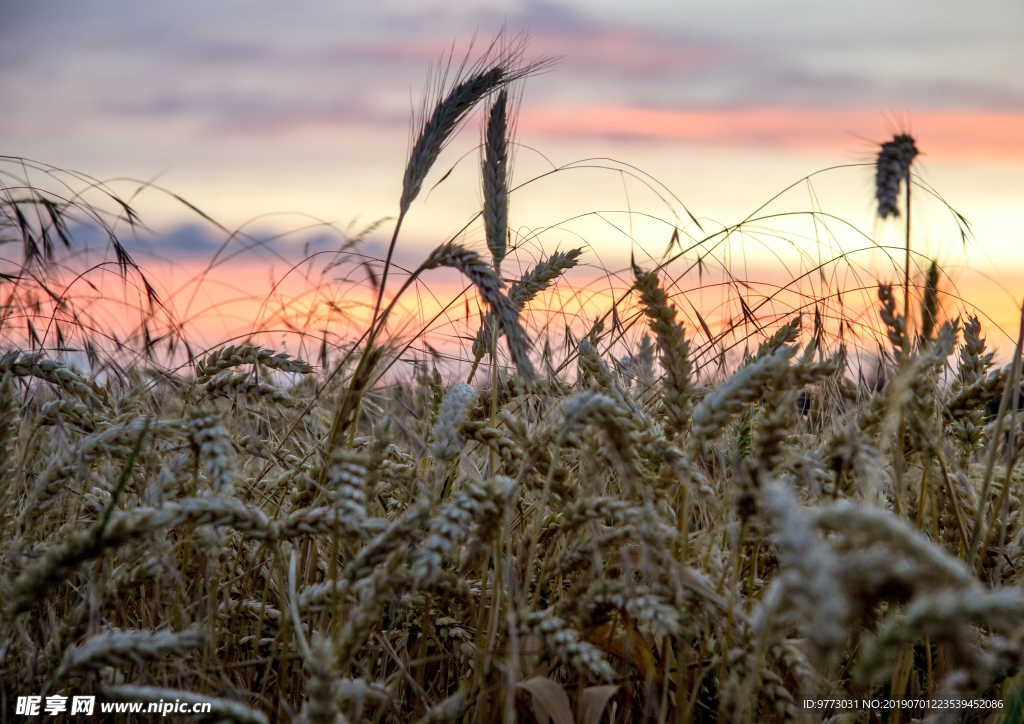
x,y
573,536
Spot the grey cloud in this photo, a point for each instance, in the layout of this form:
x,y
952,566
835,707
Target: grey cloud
x,y
187,240
248,67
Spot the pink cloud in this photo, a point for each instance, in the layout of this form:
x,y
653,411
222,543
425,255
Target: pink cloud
x,y
953,135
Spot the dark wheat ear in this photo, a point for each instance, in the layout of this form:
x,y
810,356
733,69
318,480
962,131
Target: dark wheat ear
x,y
442,124
488,75
502,64
892,167
930,303
496,172
490,286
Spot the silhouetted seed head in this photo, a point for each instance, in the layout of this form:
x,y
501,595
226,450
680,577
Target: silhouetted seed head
x,y
496,175
440,126
895,325
930,303
500,66
892,167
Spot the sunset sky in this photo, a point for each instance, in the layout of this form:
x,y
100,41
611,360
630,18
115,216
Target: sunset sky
x,y
302,109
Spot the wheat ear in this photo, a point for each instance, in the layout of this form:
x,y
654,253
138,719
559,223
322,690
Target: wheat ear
x,y
677,385
496,172
490,286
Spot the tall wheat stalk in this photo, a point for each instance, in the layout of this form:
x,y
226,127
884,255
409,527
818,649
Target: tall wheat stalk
x,y
892,169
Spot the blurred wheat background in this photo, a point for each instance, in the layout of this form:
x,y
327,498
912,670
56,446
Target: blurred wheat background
x,y
624,464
